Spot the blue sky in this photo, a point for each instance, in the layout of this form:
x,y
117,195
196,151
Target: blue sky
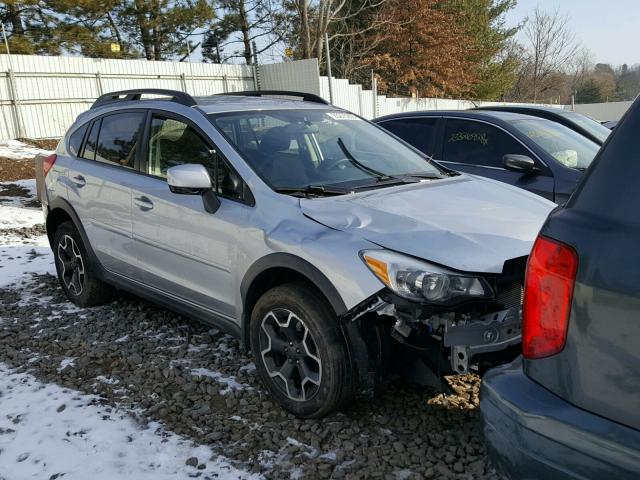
x,y
610,29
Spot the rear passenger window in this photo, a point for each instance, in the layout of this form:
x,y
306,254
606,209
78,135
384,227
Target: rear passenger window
x,y
75,140
478,143
118,138
418,132
92,141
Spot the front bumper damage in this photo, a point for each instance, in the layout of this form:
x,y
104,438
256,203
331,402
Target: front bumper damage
x,y
383,329
466,336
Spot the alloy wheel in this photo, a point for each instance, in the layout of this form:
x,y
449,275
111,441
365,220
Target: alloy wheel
x,y
71,265
290,354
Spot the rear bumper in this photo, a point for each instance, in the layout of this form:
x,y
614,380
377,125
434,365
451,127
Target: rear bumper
x,y
533,434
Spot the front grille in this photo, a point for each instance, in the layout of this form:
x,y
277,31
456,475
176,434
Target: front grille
x,y
510,294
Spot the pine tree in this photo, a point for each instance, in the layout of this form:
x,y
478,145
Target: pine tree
x,y
494,63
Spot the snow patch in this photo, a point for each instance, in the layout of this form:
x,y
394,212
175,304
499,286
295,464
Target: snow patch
x,y
19,217
81,439
67,362
19,150
19,262
230,381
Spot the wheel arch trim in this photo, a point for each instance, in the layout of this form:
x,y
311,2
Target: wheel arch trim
x,y
294,263
62,204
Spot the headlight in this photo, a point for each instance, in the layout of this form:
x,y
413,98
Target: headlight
x,y
418,280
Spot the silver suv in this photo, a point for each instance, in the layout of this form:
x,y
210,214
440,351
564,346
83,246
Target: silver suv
x,y
334,250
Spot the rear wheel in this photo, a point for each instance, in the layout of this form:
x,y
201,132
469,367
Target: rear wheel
x,y
300,352
75,272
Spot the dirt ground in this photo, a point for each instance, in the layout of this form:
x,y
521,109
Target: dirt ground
x,y
12,169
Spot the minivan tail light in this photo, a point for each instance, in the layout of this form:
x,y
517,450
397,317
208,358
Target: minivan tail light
x,y
48,163
548,292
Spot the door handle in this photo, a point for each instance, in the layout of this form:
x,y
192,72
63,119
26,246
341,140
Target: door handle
x,y
79,181
143,203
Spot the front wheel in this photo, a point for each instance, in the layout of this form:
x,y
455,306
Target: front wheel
x,y
300,352
75,271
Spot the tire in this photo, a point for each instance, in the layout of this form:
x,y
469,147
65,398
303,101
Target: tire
x,y
294,334
81,286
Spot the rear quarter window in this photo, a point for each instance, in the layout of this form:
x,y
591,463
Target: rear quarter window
x,y
75,140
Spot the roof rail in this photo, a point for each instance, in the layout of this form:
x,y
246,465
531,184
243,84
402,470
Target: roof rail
x,y
306,97
135,94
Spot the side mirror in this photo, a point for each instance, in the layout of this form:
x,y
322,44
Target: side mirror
x,y
193,179
188,179
519,163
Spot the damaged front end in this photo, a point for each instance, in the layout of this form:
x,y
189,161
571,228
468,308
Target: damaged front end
x,y
427,340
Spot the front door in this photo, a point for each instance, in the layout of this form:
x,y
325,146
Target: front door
x,y
100,180
477,148
182,249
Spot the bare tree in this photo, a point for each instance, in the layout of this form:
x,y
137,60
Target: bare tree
x,y
551,49
316,17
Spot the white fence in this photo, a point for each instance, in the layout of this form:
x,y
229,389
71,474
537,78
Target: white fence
x,y
41,96
604,111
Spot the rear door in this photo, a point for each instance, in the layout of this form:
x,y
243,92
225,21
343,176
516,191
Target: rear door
x,y
420,132
477,147
100,186
599,368
182,249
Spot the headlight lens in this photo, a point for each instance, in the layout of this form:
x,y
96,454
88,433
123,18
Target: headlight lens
x,y
418,280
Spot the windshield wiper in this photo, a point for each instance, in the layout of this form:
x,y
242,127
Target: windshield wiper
x,y
312,190
425,175
361,166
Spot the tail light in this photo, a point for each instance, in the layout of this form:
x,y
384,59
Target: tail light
x,y
548,292
48,163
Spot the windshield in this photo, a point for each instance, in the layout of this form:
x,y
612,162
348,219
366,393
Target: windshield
x,y
590,125
294,149
565,145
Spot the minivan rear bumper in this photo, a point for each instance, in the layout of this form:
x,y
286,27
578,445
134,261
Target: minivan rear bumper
x,y
532,433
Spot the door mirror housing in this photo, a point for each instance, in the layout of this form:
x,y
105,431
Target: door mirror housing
x,y
188,179
193,179
519,163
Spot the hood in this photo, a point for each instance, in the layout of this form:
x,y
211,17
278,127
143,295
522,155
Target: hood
x,y
465,223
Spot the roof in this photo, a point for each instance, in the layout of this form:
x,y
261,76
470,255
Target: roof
x,y
524,108
222,102
476,114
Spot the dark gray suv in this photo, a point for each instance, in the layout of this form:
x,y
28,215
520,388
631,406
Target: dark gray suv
x,y
570,408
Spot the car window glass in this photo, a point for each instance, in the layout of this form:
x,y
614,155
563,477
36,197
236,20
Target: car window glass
x,y
590,125
173,142
565,145
418,132
295,148
75,140
89,151
118,138
478,143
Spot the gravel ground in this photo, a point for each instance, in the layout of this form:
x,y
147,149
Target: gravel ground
x,y
198,383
